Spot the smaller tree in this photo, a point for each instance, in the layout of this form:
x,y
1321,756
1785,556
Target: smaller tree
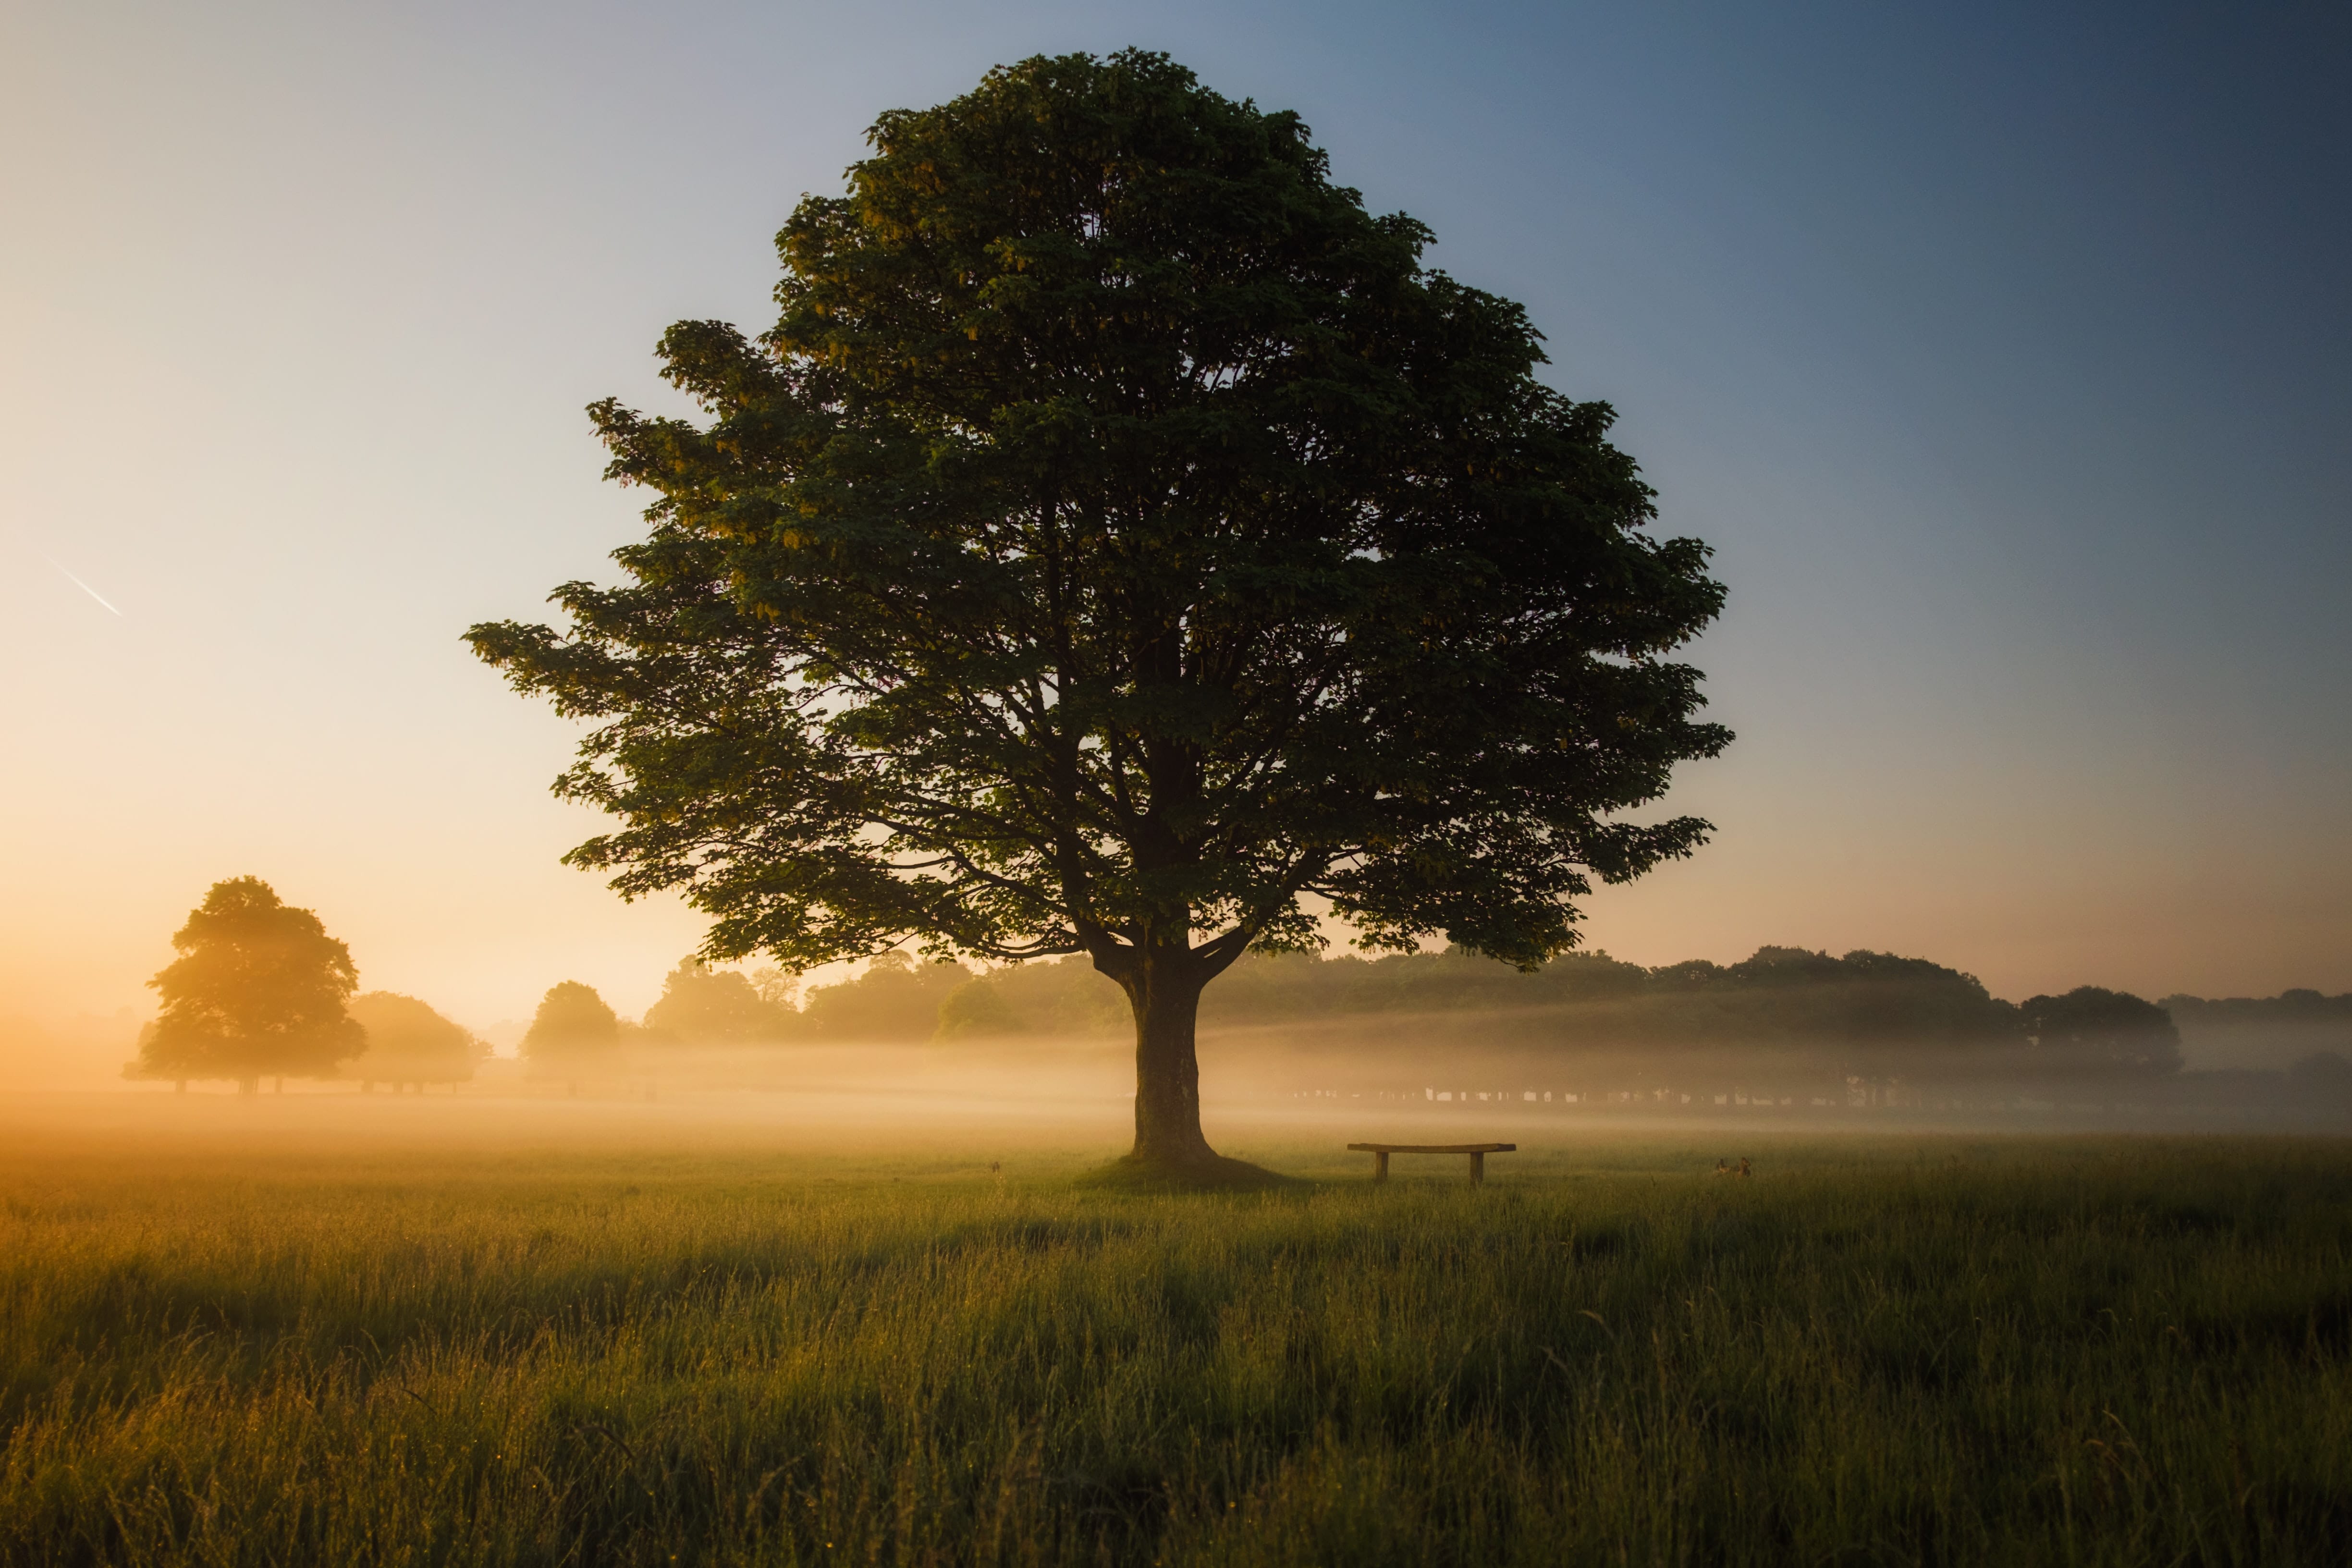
x,y
719,1006
408,1042
1062,996
259,990
895,999
573,1030
2094,1029
777,987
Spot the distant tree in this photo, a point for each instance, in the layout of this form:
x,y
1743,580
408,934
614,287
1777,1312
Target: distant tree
x,y
408,1042
2298,1006
2100,1030
573,1031
258,991
777,987
895,999
1045,996
1120,537
980,1008
1790,967
1265,987
715,1005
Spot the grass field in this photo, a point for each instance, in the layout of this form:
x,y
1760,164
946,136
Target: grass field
x,y
2113,1351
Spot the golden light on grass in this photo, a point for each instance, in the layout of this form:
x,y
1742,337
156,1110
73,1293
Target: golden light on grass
x,y
501,1350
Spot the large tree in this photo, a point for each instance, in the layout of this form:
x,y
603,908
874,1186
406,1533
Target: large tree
x,y
1121,543
259,990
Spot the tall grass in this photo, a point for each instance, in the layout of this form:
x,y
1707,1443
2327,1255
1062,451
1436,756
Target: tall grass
x,y
2100,1352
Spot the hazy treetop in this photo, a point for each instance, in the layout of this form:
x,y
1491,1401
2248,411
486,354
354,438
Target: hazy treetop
x,y
258,989
571,1019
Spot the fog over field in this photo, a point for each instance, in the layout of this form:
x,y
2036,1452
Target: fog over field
x,y
1175,787
1433,1047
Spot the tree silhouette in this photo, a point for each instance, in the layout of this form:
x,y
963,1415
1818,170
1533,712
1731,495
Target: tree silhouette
x,y
717,1006
2095,1029
895,999
408,1042
259,990
1119,540
573,1029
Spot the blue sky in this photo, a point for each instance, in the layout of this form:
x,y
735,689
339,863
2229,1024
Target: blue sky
x,y
2000,351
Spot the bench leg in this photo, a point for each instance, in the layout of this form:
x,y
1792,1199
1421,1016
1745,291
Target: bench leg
x,y
1477,1169
1380,1165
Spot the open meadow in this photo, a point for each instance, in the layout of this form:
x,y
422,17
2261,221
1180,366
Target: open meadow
x,y
421,1332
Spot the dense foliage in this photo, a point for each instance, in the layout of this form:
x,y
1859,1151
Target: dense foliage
x,y
408,1042
717,1007
894,999
572,1028
2103,1028
259,990
1120,536
1870,1010
1778,994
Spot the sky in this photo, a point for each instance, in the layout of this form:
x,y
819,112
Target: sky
x,y
2003,353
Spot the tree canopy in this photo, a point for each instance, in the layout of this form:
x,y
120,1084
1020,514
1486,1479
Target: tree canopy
x,y
1119,540
2101,1030
408,1042
259,990
1871,1006
894,999
574,1026
699,1003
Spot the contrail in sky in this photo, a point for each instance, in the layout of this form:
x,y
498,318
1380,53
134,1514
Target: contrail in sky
x,y
78,582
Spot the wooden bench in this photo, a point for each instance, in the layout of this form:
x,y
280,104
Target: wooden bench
x,y
1477,1152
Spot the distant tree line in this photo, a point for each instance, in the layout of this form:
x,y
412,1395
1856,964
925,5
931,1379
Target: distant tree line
x,y
259,990
2299,1006
2311,1032
1780,997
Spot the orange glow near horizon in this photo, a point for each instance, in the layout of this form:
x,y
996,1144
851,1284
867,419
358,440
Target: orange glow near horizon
x,y
292,386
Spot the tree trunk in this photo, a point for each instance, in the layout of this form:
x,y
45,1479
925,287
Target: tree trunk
x,y
1163,983
1165,992
248,1086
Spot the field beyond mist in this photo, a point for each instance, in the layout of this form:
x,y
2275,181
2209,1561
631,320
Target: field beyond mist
x,y
410,1331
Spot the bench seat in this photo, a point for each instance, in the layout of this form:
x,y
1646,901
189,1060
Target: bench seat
x,y
1477,1152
